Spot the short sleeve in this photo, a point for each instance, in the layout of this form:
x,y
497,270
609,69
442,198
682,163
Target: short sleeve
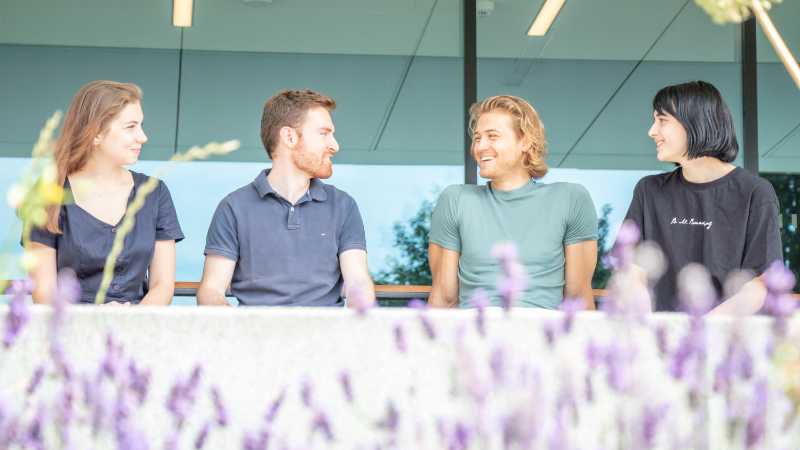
x,y
636,209
222,238
582,217
444,221
763,238
44,237
352,234
167,226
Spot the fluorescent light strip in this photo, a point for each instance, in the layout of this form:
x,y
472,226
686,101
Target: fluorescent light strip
x,y
182,13
545,18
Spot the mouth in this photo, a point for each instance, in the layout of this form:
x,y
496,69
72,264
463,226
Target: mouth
x,y
484,159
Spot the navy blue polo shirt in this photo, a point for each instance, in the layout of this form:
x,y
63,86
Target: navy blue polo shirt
x,y
286,254
86,241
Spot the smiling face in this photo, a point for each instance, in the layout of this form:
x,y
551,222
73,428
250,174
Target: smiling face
x,y
496,147
316,144
121,142
670,138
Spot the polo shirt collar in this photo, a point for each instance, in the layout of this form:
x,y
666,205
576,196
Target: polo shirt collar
x,y
316,188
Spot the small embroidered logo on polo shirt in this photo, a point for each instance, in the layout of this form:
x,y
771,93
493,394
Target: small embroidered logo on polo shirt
x,y
323,234
691,221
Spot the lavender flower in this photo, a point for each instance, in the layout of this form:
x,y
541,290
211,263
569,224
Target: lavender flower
x,y
347,386
360,302
36,380
275,407
652,418
139,381
307,392
460,438
695,290
756,423
497,364
321,424
513,278
220,411
570,307
391,420
400,338
427,325
621,255
18,312
257,441
480,300
182,396
202,436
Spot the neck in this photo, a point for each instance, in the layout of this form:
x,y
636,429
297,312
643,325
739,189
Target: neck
x,y
511,181
287,181
705,170
101,172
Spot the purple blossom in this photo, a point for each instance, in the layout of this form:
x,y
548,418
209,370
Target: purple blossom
x,y
321,424
256,441
18,312
662,341
480,300
778,278
220,412
33,436
182,396
400,338
202,436
571,307
36,380
347,386
756,422
360,302
460,438
497,364
275,407
391,420
652,418
139,381
427,325
129,438
621,255
513,278
307,392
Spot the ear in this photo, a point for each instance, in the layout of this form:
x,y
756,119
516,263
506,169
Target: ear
x,y
288,136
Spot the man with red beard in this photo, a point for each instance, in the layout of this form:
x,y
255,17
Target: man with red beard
x,y
287,238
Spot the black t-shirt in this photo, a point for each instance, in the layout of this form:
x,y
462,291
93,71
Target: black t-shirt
x,y
727,224
86,241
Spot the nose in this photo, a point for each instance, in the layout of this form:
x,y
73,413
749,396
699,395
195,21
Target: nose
x,y
653,131
142,136
333,145
479,144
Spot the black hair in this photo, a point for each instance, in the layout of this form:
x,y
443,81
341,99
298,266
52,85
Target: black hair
x,y
699,107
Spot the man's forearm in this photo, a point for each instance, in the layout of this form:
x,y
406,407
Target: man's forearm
x,y
210,297
159,295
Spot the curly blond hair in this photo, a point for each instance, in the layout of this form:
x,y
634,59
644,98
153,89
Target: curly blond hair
x,y
528,126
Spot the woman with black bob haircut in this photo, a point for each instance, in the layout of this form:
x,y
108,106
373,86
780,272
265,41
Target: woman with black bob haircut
x,y
707,210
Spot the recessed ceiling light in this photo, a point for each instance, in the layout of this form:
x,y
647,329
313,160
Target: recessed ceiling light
x,y
182,13
545,18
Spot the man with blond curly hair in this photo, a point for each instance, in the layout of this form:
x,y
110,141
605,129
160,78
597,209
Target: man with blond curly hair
x,y
552,225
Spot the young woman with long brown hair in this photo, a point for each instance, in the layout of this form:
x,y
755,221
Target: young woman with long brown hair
x,y
102,133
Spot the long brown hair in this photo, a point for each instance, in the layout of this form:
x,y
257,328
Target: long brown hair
x,y
92,109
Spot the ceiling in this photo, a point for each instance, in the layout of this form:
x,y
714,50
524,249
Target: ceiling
x,y
585,29
395,67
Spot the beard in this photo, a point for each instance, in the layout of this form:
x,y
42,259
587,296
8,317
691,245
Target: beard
x,y
316,165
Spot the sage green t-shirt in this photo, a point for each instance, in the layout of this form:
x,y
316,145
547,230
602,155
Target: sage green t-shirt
x,y
540,219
